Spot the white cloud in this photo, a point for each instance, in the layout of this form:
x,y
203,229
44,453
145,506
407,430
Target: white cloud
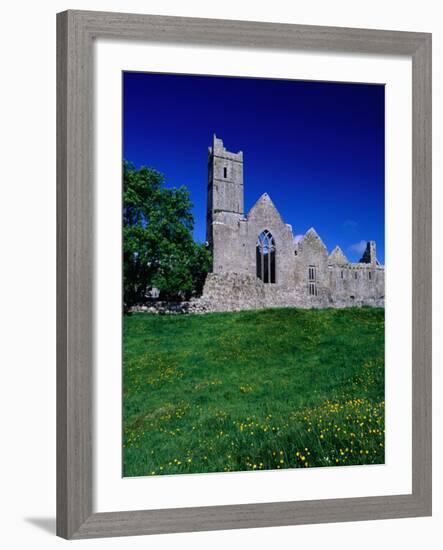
x,y
359,247
350,224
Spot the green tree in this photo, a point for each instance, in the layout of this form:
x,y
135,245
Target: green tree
x,y
158,248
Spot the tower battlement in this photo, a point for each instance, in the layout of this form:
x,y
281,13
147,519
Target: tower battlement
x,y
219,150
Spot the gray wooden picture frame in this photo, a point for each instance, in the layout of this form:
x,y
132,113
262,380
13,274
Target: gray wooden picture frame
x,y
76,32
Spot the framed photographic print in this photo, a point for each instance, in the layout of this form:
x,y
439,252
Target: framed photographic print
x,y
244,274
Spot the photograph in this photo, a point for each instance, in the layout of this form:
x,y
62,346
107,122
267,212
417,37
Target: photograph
x,y
253,274
227,225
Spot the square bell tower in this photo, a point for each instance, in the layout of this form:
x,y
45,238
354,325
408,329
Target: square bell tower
x,y
225,184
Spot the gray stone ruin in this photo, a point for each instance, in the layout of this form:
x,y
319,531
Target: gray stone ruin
x,y
257,263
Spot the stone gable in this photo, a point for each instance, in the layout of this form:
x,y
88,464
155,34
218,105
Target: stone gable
x,y
337,257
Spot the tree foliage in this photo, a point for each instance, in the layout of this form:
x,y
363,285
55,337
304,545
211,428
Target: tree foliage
x,y
158,247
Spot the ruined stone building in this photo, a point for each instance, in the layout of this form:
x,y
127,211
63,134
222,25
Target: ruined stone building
x,y
257,262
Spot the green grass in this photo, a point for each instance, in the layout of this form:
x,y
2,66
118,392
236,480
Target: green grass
x,y
269,389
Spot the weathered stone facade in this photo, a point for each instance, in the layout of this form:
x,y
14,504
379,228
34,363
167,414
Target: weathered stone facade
x,y
257,262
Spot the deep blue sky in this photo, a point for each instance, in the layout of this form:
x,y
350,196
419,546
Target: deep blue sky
x,y
316,148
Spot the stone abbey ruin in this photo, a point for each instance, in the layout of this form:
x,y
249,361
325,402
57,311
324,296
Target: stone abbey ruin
x,y
257,262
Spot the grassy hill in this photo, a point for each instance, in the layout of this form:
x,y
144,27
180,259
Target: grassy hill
x,y
268,389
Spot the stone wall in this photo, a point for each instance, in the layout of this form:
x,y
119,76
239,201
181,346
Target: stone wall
x,y
240,291
357,284
235,292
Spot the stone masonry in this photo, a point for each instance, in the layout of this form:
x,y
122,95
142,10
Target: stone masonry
x,y
256,261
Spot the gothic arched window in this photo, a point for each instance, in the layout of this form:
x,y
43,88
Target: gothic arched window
x,y
266,257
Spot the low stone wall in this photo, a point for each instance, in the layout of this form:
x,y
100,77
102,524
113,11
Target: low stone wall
x,y
171,308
